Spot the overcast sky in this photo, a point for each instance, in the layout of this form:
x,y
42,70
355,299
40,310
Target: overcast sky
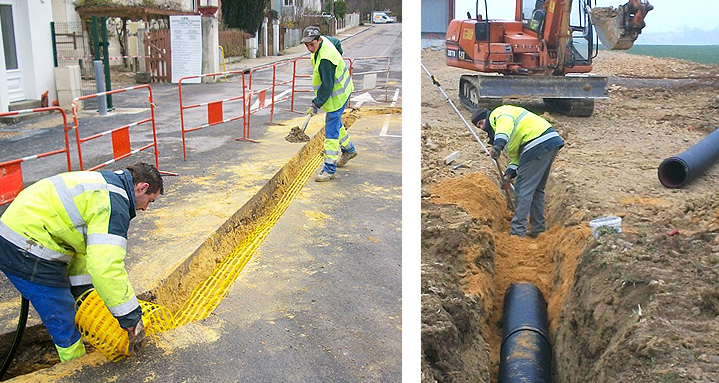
x,y
668,20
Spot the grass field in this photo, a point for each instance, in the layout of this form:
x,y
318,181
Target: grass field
x,y
705,54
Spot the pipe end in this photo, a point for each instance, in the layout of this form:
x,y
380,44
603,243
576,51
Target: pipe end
x,y
673,172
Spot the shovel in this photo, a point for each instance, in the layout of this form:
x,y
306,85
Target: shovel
x,y
506,188
297,134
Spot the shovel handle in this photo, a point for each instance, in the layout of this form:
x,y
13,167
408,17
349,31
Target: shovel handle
x,y
306,122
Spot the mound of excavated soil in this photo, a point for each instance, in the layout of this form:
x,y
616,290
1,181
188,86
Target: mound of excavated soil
x,y
638,306
297,135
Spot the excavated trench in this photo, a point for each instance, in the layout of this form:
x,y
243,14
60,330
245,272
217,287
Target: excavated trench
x,y
468,262
198,285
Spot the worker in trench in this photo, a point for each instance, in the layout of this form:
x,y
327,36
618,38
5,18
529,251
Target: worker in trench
x,y
67,234
531,144
332,86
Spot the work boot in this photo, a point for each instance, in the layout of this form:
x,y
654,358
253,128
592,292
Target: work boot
x,y
533,235
324,176
345,158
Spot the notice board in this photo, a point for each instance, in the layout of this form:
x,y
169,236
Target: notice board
x,y
186,47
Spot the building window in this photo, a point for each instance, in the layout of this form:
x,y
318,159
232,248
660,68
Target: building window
x,y
8,36
289,2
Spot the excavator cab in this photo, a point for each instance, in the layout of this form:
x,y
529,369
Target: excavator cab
x,y
581,47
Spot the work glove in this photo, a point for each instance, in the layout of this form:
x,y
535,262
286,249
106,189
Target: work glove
x,y
507,178
313,109
136,335
496,151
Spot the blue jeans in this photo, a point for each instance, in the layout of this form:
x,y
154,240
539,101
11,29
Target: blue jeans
x,y
336,139
56,307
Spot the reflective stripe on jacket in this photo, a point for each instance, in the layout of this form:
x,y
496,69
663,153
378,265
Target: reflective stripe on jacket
x,y
342,86
525,133
74,225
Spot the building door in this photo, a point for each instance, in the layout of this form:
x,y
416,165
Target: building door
x,y
15,81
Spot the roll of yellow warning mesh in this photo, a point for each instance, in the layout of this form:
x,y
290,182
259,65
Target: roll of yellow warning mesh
x,y
100,329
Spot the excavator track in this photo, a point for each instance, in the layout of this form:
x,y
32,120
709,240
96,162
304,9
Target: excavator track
x,y
571,107
488,91
469,95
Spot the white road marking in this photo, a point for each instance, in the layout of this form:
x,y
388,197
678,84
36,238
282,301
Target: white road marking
x,y
395,98
385,127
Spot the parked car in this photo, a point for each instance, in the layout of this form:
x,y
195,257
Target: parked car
x,y
327,14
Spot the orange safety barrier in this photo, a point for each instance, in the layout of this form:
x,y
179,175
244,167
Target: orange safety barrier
x,y
301,88
11,181
215,112
262,91
121,147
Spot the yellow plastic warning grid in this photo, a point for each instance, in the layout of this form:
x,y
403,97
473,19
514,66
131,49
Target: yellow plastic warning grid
x,y
100,329
209,293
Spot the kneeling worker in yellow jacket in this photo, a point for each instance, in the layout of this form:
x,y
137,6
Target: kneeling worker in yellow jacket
x,y
68,233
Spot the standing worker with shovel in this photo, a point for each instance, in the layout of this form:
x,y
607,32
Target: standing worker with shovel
x,y
332,85
532,144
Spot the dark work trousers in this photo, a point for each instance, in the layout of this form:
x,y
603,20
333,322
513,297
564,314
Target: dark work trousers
x,y
529,191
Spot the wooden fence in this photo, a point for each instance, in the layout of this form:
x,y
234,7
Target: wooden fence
x,y
159,58
232,42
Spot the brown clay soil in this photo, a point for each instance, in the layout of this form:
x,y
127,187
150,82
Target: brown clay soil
x,y
641,305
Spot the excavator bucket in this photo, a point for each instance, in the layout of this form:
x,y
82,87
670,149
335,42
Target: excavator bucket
x,y
608,22
618,28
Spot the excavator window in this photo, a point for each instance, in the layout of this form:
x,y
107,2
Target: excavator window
x,y
537,22
533,16
481,31
527,10
582,46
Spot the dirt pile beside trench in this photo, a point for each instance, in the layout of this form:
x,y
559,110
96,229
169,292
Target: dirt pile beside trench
x,y
641,305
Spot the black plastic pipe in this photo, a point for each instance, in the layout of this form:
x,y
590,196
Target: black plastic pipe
x,y
525,355
22,321
677,171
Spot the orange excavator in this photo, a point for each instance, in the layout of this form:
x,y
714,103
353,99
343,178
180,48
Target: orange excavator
x,y
546,52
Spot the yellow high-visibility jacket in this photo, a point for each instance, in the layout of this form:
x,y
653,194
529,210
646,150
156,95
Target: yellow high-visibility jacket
x,y
342,85
523,134
71,229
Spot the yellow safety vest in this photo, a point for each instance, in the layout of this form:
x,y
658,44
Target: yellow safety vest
x,y
517,126
343,85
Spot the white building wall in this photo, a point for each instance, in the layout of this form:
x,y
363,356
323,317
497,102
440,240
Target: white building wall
x,y
63,11
38,61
